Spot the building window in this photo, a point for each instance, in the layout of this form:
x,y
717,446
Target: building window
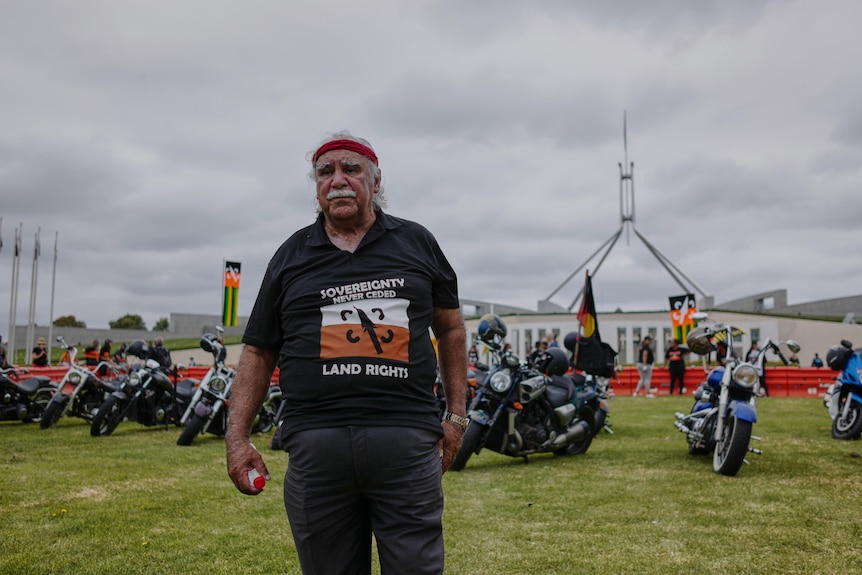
x,y
621,342
755,334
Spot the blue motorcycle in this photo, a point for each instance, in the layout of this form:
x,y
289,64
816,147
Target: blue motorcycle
x,y
724,411
844,399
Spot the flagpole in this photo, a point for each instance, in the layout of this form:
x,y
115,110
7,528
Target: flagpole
x,y
34,276
13,299
53,284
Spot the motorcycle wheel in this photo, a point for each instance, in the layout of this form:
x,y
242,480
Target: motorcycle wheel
x,y
469,444
849,427
601,417
192,429
108,418
37,408
585,413
731,448
54,410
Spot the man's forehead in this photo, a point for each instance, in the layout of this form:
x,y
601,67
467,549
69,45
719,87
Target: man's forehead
x,y
343,157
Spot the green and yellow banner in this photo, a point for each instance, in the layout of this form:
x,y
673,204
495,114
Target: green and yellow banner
x,y
231,294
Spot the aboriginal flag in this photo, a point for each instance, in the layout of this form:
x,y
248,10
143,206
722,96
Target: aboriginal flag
x,y
377,329
592,355
231,293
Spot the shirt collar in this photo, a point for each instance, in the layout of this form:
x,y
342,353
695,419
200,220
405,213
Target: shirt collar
x,y
383,223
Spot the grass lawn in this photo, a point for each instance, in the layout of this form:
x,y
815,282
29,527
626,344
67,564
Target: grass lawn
x,y
136,503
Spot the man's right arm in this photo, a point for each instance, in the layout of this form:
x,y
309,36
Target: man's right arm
x,y
250,386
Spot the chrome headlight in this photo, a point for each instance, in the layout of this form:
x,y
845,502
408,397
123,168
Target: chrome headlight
x,y
217,384
500,381
134,379
75,378
745,375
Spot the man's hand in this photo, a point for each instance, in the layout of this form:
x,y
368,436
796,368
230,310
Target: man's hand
x,y
242,457
450,444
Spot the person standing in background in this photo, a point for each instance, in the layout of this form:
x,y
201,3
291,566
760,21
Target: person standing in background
x,y
39,357
674,359
646,358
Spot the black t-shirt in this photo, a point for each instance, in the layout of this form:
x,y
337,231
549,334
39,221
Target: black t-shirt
x,y
352,329
650,359
41,357
674,356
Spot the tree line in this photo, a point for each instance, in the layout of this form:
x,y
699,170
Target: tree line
x,y
128,321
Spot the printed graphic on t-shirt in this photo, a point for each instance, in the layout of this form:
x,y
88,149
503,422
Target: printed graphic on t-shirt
x,y
372,328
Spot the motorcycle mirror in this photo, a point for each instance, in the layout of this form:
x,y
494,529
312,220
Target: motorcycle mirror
x,y
793,346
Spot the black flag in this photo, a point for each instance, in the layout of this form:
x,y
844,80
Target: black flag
x,y
591,354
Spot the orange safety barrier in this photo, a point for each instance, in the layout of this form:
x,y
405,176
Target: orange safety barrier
x,y
780,381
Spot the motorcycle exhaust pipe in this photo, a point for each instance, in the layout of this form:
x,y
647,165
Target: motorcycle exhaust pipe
x,y
682,427
577,432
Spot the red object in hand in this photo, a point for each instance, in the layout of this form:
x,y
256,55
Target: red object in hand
x,y
256,479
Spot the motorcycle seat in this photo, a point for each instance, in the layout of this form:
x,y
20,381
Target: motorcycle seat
x,y
186,387
560,390
31,384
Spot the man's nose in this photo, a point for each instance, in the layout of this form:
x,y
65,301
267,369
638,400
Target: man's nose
x,y
339,178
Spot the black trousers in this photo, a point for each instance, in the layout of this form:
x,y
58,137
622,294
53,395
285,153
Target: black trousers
x,y
344,484
677,375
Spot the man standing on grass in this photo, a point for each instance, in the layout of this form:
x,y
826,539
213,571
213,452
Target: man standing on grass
x,y
344,309
646,358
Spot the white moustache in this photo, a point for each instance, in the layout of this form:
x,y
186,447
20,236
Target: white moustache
x,y
345,193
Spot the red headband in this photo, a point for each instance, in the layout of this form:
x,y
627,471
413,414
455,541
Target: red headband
x,y
351,145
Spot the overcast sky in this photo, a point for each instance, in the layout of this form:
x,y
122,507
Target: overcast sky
x,y
158,138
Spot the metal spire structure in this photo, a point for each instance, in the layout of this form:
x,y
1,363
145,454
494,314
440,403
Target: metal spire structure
x,y
627,222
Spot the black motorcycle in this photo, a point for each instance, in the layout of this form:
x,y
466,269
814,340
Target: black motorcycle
x,y
207,411
151,396
519,410
81,392
24,400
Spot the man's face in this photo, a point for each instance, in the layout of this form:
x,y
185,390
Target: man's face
x,y
345,186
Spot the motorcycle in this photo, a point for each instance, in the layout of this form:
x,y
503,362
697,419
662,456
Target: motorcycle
x,y
88,390
148,396
476,375
724,411
596,392
593,383
207,411
24,400
844,397
519,411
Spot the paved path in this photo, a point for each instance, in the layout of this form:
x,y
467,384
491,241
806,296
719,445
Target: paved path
x,y
204,358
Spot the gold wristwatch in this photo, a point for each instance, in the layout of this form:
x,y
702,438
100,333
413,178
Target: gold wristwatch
x,y
462,421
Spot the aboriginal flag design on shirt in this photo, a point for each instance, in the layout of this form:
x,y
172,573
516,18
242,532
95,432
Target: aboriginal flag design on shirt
x,y
369,328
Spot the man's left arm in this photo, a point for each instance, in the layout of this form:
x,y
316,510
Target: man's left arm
x,y
448,326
